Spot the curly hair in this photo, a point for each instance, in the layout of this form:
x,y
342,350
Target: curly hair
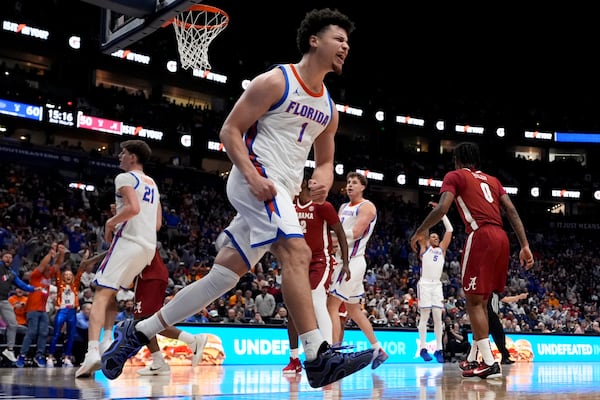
x,y
467,154
317,20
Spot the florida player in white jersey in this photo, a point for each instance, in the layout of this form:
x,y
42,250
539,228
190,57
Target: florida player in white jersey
x,y
429,289
283,114
132,234
358,218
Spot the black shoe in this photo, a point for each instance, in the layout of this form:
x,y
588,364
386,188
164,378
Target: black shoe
x,y
128,341
506,360
332,365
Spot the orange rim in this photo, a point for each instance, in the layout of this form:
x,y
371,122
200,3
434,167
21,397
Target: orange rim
x,y
200,7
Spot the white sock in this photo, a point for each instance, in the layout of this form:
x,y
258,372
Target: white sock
x,y
191,299
93,346
472,356
294,353
157,358
311,341
186,338
376,345
486,351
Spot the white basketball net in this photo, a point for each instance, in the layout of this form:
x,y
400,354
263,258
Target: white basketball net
x,y
195,29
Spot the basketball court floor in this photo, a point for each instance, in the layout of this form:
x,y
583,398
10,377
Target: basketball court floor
x,y
531,381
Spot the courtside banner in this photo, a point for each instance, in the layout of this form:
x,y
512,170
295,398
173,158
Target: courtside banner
x,y
252,345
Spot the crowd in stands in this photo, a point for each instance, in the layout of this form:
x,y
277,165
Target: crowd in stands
x,y
37,209
156,111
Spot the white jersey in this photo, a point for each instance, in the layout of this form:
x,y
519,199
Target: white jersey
x,y
432,263
348,214
141,228
280,141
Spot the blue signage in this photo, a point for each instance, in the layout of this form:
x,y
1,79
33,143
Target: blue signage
x,y
21,110
270,345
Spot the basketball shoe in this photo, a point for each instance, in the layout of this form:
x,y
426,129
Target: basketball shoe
x,y
90,364
154,370
484,371
439,356
128,341
332,365
379,357
468,365
425,355
294,367
198,348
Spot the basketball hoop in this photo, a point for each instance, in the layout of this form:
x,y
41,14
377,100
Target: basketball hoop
x,y
195,28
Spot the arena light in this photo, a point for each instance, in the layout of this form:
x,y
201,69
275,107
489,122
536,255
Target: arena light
x,y
377,176
75,42
25,30
216,146
186,140
567,194
209,76
131,56
346,109
537,135
407,120
172,66
478,130
534,192
429,182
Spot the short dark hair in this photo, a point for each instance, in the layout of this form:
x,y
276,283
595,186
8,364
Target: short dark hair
x,y
361,178
139,148
315,21
467,154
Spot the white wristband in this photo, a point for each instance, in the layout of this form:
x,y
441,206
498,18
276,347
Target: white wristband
x,y
447,225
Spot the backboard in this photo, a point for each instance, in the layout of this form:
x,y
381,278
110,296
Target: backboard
x,y
125,22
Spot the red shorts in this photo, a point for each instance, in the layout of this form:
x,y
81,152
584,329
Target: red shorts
x,y
320,272
150,288
149,297
485,261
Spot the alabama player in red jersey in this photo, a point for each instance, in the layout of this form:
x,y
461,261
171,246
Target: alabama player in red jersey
x,y
480,199
317,221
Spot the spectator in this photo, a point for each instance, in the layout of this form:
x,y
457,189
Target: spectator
x,y
126,312
265,302
8,308
37,316
233,316
81,336
87,296
456,339
257,319
66,304
87,277
19,300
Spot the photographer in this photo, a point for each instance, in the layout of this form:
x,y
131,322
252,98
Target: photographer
x,y
456,339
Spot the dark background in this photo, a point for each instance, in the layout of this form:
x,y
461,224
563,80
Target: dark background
x,y
500,62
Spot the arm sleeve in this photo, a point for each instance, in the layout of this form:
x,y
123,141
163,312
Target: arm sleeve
x,y
22,285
